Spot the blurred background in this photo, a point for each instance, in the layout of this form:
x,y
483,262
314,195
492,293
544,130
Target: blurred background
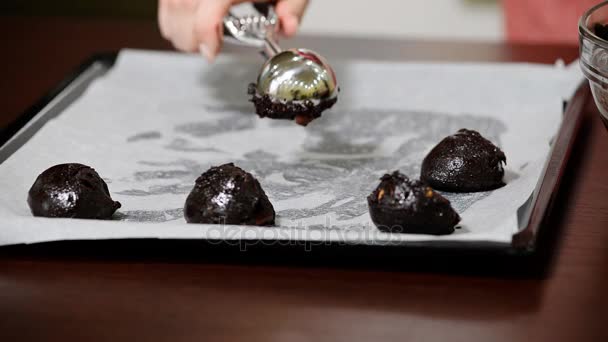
x,y
528,21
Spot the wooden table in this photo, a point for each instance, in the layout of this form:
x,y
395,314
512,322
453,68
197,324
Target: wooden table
x,y
56,297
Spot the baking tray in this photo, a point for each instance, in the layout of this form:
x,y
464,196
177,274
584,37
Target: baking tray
x,y
532,216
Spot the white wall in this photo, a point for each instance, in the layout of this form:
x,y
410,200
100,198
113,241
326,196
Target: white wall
x,y
468,20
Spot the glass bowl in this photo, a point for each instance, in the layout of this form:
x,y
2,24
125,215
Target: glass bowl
x,y
594,55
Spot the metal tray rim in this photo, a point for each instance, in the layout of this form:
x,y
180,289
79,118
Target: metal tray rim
x,y
523,242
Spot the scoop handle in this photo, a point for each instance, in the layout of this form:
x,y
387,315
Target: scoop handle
x,y
253,30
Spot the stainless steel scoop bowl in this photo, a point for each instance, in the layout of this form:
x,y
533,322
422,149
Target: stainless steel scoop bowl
x,y
287,75
297,75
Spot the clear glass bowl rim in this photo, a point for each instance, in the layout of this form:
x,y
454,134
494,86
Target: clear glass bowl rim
x,y
585,32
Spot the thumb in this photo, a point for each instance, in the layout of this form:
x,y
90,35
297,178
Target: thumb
x,y
290,14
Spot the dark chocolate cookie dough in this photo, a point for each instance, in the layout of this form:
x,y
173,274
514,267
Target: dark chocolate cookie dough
x,y
402,205
464,162
227,194
601,31
303,112
71,190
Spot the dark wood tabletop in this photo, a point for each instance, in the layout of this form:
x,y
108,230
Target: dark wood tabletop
x,y
54,296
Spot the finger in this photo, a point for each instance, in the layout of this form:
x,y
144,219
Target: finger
x,y
290,14
163,23
208,27
176,19
181,34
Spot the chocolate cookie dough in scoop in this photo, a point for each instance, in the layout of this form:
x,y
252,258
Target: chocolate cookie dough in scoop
x,y
402,205
227,194
71,190
303,112
464,162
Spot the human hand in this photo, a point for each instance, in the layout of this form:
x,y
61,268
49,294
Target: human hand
x,y
197,25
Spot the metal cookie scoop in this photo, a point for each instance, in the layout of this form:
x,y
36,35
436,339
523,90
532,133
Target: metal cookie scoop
x,y
293,84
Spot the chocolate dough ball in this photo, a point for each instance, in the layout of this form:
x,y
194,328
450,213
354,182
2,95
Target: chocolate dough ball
x,y
303,112
227,194
464,162
71,190
402,205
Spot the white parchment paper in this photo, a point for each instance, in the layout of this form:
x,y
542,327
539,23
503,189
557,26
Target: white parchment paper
x,y
158,120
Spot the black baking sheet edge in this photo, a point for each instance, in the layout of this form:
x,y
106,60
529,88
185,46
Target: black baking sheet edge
x,y
105,59
546,192
449,256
